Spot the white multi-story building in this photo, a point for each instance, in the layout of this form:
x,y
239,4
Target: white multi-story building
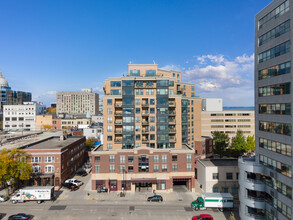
x,y
77,103
22,117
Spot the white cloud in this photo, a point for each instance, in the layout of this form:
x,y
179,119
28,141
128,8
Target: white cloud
x,y
212,58
171,67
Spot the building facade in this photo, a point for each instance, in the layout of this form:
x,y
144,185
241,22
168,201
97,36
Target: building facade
x,y
77,103
55,159
218,175
147,112
266,180
214,118
17,97
22,117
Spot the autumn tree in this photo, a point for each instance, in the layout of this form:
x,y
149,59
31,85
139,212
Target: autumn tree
x,y
90,142
14,166
221,141
47,127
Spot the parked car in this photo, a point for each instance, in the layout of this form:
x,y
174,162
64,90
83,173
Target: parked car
x,y
156,198
81,173
3,198
203,217
70,186
20,216
74,181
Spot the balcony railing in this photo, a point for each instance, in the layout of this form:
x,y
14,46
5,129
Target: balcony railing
x,y
145,123
118,131
171,104
118,113
145,131
118,122
258,199
145,105
172,130
256,216
172,121
145,140
145,114
118,141
172,112
118,105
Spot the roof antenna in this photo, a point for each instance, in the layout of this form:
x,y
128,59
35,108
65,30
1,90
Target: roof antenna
x,y
154,62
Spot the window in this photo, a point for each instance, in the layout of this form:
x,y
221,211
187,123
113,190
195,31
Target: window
x,y
137,110
215,176
174,157
156,159
109,119
215,189
109,128
137,119
150,92
109,146
115,91
130,169
97,168
137,101
188,157
112,159
152,119
36,169
152,137
36,159
122,168
130,159
224,189
137,137
112,168
272,90
137,128
109,111
49,159
164,168
150,73
127,83
139,83
278,109
274,127
152,128
174,167
115,84
229,176
161,185
162,91
128,119
174,75
135,73
188,167
49,169
122,159
156,168
177,75
278,147
109,138
109,101
164,158
234,190
274,52
139,91
97,159
152,101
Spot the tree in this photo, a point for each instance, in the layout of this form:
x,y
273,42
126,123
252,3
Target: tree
x,y
14,166
221,141
238,144
90,142
250,143
51,111
47,127
1,125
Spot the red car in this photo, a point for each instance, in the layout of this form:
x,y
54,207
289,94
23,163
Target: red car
x,y
203,217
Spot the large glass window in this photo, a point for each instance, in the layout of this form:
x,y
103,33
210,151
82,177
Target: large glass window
x,y
274,33
115,91
134,72
275,146
115,83
162,91
143,163
275,127
275,71
128,91
150,73
274,52
128,83
128,119
277,89
274,14
139,91
127,101
276,165
162,83
139,83
278,109
149,83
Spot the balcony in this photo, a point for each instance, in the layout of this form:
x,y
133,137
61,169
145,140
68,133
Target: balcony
x,y
254,202
145,113
172,122
171,104
172,130
118,132
145,131
145,123
118,113
117,141
253,184
118,105
145,105
118,122
144,141
172,113
172,139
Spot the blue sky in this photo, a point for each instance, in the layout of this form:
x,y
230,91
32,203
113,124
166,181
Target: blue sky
x,y
65,45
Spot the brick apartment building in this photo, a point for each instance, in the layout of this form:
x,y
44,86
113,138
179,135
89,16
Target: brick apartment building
x,y
55,159
150,117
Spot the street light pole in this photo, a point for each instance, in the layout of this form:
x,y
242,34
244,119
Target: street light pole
x,y
22,130
123,181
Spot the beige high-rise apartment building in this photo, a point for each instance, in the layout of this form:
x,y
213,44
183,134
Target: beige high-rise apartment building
x,y
77,103
214,118
151,120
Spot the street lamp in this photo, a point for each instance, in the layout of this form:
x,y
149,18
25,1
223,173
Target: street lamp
x,y
123,182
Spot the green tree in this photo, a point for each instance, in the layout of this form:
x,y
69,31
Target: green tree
x,y
1,125
238,144
14,166
90,142
250,143
221,143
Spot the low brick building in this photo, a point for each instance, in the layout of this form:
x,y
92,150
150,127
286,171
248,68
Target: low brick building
x,y
55,159
142,169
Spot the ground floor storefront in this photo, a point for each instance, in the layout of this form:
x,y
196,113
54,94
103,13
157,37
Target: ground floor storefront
x,y
142,185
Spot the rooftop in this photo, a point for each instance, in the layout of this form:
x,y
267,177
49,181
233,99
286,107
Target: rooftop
x,y
219,162
52,143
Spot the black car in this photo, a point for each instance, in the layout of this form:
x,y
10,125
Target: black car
x,y
20,216
70,186
81,173
156,198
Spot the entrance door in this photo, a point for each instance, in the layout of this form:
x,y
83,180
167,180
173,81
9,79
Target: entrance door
x,y
113,185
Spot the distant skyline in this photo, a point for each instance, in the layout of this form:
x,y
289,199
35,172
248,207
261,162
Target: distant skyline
x,y
50,46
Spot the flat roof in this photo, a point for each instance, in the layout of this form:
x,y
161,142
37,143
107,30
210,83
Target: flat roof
x,y
221,162
52,143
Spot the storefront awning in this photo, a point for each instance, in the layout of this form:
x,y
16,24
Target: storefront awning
x,y
144,180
